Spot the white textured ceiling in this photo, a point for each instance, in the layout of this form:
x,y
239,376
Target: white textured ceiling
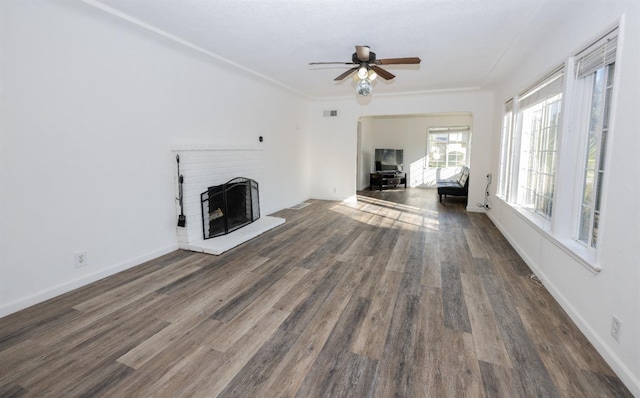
x,y
462,43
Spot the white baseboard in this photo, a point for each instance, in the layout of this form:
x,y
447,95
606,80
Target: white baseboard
x,y
46,294
476,209
620,368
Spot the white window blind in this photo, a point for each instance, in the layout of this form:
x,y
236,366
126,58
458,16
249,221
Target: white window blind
x,y
545,88
597,56
506,158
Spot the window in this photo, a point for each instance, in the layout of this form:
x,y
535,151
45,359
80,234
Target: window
x,y
560,189
539,122
594,69
448,146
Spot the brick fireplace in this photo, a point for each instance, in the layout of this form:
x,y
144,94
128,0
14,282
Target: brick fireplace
x,y
204,167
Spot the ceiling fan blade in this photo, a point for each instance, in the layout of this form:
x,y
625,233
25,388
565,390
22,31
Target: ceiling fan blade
x,y
363,53
382,73
345,74
331,63
398,61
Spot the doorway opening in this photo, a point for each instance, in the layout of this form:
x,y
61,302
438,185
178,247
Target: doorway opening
x,y
451,143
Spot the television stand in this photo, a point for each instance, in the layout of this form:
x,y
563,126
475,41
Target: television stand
x,y
380,180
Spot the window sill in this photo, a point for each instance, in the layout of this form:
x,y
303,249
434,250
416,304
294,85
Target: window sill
x,y
582,254
531,218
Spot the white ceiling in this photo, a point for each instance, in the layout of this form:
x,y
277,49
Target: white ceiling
x,y
462,43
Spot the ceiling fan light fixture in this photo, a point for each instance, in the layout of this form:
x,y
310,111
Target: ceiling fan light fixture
x,y
365,64
362,72
364,87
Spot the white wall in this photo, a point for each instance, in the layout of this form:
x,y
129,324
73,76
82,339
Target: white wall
x,y
407,132
91,106
365,152
592,299
334,139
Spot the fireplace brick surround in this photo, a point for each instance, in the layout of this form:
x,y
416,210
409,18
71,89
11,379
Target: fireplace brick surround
x,y
206,166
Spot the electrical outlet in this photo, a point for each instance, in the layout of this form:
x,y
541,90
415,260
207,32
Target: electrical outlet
x,y
81,259
616,325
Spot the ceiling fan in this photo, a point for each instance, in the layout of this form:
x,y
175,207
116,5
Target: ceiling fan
x,y
367,66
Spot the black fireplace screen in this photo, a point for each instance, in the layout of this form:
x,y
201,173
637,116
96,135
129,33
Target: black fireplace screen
x,y
229,206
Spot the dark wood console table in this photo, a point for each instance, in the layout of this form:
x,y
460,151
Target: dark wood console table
x,y
381,180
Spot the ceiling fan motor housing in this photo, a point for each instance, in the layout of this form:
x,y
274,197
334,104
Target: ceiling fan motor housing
x,y
372,58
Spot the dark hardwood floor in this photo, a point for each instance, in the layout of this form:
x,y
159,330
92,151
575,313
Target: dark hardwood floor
x,y
396,295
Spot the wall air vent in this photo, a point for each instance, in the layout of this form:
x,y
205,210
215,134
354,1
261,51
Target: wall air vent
x,y
330,113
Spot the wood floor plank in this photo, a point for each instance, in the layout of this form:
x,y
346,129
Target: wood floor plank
x,y
20,358
603,385
488,342
454,249
451,368
499,382
393,295
412,275
333,365
12,390
475,245
431,273
301,315
32,330
568,374
233,330
146,351
253,376
526,361
461,373
373,331
251,291
357,246
456,315
99,380
172,379
395,372
87,326
252,353
431,337
400,252
79,365
183,357
307,284
126,294
371,277
200,298
289,374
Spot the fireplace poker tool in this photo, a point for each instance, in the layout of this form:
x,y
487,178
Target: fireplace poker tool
x,y
182,220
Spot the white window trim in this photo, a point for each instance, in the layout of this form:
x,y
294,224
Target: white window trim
x,y
569,237
506,152
513,196
570,246
560,230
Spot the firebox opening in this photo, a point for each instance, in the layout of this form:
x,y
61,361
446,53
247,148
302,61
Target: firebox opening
x,y
230,206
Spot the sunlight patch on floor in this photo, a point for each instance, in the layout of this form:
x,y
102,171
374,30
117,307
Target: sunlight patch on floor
x,y
385,214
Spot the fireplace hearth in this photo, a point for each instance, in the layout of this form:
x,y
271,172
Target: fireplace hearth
x,y
230,206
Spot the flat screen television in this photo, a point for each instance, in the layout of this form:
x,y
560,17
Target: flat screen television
x,y
388,159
